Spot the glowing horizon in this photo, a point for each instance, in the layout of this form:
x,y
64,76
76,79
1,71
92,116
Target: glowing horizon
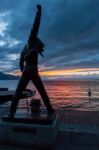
x,y
65,72
71,72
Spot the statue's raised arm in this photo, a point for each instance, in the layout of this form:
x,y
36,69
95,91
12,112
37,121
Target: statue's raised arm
x,y
35,27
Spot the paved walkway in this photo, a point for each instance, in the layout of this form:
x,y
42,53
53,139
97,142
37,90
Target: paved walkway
x,y
78,130
77,141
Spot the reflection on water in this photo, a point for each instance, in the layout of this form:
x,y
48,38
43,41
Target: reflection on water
x,y
73,94
67,94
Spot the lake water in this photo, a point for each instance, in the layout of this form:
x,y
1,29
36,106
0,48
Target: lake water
x,y
66,94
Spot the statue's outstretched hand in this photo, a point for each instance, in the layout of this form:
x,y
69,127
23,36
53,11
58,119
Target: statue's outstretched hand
x,y
39,7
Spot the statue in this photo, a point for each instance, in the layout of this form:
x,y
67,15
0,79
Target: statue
x,y
28,65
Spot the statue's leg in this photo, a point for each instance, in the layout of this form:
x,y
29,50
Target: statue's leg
x,y
21,86
40,87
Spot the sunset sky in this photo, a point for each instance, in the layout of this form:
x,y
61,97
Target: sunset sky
x,y
69,29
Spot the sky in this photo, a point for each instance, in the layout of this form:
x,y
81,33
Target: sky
x,y
69,29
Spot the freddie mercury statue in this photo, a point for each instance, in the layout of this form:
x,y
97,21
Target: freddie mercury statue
x,y
28,65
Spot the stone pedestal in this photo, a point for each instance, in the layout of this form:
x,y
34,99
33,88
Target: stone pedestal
x,y
39,130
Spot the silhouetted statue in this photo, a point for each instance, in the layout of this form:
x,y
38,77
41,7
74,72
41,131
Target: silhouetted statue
x,y
28,65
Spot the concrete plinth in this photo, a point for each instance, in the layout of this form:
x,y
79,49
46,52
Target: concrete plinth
x,y
38,130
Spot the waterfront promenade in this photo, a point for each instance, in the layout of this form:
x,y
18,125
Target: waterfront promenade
x,y
78,130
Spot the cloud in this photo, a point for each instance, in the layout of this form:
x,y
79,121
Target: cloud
x,y
5,66
12,57
2,43
3,26
69,29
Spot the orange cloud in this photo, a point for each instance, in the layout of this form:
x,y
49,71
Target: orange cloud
x,y
70,72
65,72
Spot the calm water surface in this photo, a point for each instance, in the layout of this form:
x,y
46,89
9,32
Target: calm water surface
x,y
66,94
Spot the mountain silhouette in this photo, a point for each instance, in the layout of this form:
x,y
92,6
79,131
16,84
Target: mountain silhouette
x,y
4,76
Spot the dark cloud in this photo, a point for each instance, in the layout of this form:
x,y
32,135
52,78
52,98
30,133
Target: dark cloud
x,y
69,28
